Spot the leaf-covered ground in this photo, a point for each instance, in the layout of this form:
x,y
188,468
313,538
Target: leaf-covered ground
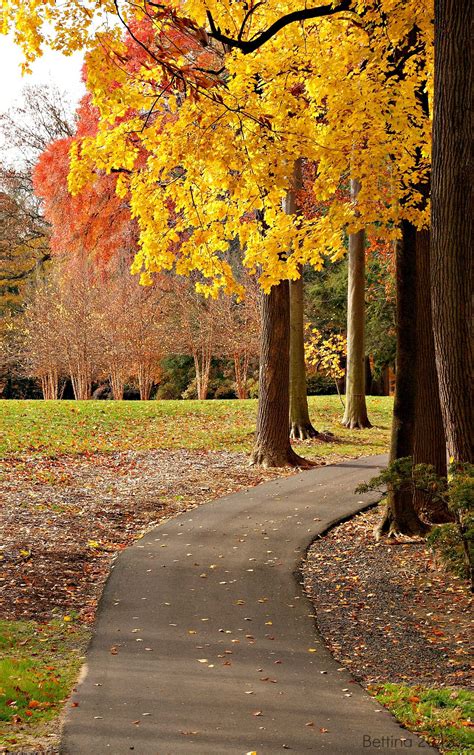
x,y
63,519
392,615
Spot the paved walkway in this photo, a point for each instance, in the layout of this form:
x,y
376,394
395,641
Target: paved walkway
x,y
205,642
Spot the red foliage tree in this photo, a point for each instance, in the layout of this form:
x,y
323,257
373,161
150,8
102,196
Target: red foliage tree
x,y
94,224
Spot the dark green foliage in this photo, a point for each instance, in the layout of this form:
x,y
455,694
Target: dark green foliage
x,y
455,541
15,386
326,308
320,385
178,372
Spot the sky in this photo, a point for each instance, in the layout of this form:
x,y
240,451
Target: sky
x,y
51,68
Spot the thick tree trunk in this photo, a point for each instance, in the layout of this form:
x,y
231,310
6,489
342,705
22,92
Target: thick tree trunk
x,y
429,443
400,516
452,223
300,423
272,444
355,414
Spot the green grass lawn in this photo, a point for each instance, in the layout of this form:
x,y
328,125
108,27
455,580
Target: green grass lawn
x,y
38,666
76,427
443,716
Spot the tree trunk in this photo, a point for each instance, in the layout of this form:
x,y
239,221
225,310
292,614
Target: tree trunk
x,y
300,423
117,382
452,223
429,444
400,516
355,414
145,382
50,385
81,381
241,367
202,366
272,444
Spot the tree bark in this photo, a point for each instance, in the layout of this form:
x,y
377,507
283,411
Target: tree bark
x,y
452,223
355,414
300,423
202,364
145,380
50,385
117,382
272,444
429,442
80,374
241,368
400,516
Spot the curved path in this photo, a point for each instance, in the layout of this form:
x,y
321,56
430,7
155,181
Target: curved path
x,y
205,642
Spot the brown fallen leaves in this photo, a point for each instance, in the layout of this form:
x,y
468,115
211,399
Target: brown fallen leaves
x,y
387,610
62,519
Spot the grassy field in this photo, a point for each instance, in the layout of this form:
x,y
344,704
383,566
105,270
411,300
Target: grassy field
x,y
443,716
51,428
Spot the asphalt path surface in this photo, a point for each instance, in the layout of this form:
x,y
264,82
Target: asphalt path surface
x,y
205,642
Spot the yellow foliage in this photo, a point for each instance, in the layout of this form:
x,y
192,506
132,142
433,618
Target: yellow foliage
x,y
324,355
209,168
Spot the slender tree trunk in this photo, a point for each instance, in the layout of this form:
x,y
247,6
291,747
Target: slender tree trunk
x,y
400,515
50,385
355,414
452,223
272,444
300,423
368,376
206,370
81,381
241,366
117,383
202,365
197,369
429,443
145,382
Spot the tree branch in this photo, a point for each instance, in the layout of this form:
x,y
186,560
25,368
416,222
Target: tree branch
x,y
249,46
